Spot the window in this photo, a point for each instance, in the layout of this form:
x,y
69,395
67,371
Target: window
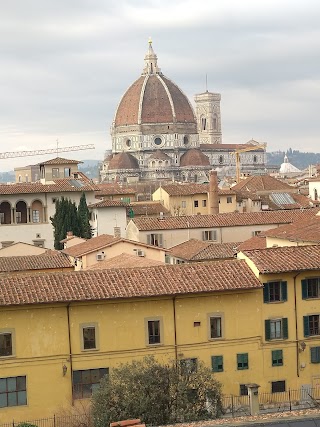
x,y
67,172
243,390
18,217
13,391
217,363
242,361
215,327
203,123
209,235
1,217
277,357
229,199
55,172
315,354
204,203
85,382
89,337
196,203
155,239
311,287
220,159
276,329
6,344
35,216
278,386
311,325
188,366
275,291
154,336
183,204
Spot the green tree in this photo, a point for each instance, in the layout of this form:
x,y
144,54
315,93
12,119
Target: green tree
x,y
65,219
157,393
84,218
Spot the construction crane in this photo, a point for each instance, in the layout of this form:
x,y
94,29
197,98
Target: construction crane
x,y
57,150
251,147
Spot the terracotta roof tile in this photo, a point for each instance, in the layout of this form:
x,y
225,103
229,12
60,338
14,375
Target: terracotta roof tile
x,y
125,260
197,250
194,157
256,242
188,189
91,245
123,161
58,185
233,275
46,261
285,259
261,183
148,208
59,161
113,189
307,229
223,220
107,204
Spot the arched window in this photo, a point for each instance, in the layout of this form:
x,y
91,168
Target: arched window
x,y
315,194
5,213
203,123
196,178
185,140
255,159
215,122
21,212
220,159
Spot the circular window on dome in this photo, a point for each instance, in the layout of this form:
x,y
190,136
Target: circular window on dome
x,y
157,141
185,140
128,143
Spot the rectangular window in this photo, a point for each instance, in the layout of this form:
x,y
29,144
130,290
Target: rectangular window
x,y
85,382
183,204
188,366
18,217
55,172
154,336
89,337
278,386
229,199
196,203
315,354
155,240
275,291
67,172
217,363
311,325
277,357
215,327
242,361
204,203
6,344
276,329
210,235
35,216
243,390
13,391
311,287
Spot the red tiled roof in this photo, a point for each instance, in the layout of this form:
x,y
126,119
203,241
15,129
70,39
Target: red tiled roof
x,y
261,183
198,250
113,189
46,261
58,185
307,229
148,208
107,204
233,275
285,259
125,260
256,242
194,157
91,245
223,220
59,161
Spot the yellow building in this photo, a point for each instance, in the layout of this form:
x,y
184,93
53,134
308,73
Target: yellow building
x,y
61,332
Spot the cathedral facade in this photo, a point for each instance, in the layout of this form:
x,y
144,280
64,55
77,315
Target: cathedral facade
x,y
156,133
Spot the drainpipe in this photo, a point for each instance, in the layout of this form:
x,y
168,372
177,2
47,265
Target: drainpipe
x,y
296,321
70,352
175,328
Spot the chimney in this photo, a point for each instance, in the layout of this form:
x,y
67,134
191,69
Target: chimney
x,y
213,193
69,234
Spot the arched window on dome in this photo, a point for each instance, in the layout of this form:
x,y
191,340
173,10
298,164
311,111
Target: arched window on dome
x,y
160,163
315,194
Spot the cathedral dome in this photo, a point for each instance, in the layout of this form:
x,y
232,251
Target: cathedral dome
x,y
194,157
123,161
153,99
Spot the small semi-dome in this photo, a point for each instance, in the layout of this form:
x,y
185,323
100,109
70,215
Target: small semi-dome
x,y
159,155
194,157
123,161
153,99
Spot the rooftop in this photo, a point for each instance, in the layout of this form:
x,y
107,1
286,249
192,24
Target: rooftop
x,y
189,189
125,260
197,250
307,229
46,261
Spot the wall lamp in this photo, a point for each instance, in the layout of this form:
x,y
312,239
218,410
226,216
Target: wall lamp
x,y
64,370
302,345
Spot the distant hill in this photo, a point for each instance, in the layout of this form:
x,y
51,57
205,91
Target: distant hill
x,y
90,168
299,159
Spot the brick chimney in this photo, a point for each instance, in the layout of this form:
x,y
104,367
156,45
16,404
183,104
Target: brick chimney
x,y
213,193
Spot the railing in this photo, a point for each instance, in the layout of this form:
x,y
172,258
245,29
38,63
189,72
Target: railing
x,y
233,406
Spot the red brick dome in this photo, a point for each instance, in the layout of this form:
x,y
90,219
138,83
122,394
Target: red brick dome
x,y
153,98
194,157
123,161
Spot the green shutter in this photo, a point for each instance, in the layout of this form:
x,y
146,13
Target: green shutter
x,y
267,329
306,328
266,293
217,363
315,354
277,358
304,287
285,328
284,295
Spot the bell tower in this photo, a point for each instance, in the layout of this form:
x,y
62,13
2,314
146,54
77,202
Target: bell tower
x,y
208,117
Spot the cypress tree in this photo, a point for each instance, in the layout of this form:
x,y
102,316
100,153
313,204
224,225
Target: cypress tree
x,y
84,218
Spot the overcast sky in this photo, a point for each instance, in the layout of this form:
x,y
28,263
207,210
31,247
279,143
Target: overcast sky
x,y
65,64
